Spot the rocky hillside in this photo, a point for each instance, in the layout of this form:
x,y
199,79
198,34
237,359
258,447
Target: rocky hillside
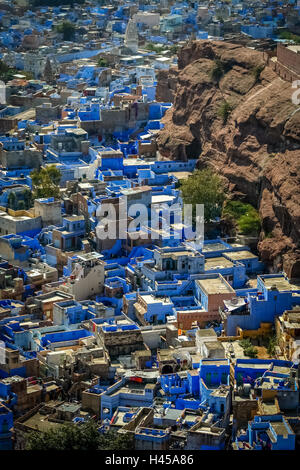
x,y
257,150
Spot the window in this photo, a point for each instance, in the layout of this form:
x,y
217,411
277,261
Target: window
x,y
5,426
208,378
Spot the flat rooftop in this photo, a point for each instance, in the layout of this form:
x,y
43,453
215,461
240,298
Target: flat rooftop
x,y
175,254
281,429
151,299
40,422
294,48
269,407
217,362
216,285
55,298
180,174
213,247
206,332
158,199
280,283
134,388
136,190
253,365
217,262
74,218
239,255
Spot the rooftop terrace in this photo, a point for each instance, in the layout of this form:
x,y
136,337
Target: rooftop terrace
x,y
215,285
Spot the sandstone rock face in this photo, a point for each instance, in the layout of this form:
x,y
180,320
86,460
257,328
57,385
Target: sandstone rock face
x,y
166,85
257,151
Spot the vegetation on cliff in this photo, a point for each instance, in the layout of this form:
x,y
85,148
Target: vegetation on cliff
x,y
217,71
224,111
244,216
257,71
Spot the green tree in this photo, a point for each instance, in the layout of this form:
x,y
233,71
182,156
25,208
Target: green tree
x,y
102,62
67,29
290,36
12,201
27,195
116,441
245,343
154,48
249,350
204,187
78,437
21,205
6,72
45,182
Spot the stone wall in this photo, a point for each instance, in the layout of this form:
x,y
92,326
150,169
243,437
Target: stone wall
x,y
29,158
18,225
289,58
50,212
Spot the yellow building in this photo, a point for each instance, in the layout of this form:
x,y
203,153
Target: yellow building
x,y
288,334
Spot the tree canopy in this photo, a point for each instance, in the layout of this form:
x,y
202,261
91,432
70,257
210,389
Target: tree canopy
x,y
102,62
155,48
45,182
20,204
7,73
204,187
67,29
85,436
288,35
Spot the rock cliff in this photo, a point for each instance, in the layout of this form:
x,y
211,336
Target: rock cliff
x,y
257,150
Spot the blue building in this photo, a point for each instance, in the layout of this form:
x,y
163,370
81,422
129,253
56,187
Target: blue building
x,y
267,433
6,427
275,294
